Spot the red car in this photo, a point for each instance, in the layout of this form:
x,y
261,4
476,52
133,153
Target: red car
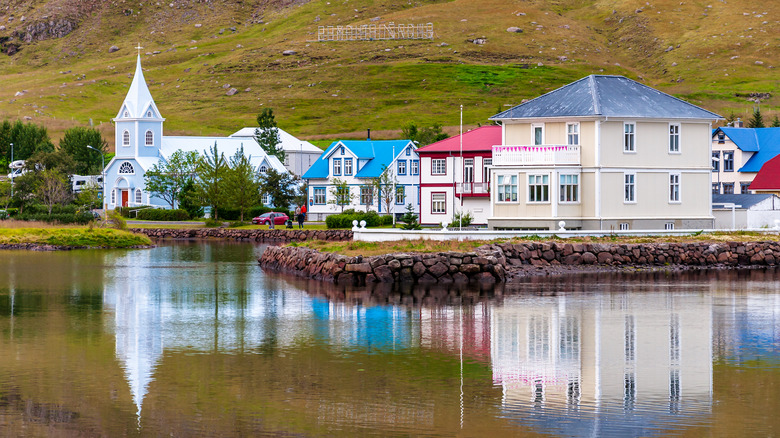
x,y
265,218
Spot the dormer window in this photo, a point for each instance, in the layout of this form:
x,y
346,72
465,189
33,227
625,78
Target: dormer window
x,y
126,114
126,138
342,150
149,138
721,137
149,114
263,169
408,151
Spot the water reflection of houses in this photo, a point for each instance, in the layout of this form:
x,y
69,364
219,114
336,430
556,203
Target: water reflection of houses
x,y
620,365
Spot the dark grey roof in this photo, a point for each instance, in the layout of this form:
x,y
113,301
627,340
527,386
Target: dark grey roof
x,y
745,201
607,96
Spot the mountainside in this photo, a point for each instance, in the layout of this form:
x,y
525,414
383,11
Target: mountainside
x,y
58,66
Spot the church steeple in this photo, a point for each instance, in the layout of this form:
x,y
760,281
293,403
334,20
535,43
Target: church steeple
x,y
139,125
138,102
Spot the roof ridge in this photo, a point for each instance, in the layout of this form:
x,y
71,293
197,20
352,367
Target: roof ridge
x,y
595,94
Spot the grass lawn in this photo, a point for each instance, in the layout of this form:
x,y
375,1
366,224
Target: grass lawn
x,y
13,233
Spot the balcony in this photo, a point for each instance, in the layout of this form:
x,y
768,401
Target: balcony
x,y
548,155
472,189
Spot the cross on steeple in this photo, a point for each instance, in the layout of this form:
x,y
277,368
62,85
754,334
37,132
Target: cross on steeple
x,y
139,49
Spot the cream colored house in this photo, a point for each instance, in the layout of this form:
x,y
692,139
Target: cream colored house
x,y
603,153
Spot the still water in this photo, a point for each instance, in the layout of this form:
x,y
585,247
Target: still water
x,y
194,339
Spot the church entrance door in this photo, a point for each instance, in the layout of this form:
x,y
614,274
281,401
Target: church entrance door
x,y
124,198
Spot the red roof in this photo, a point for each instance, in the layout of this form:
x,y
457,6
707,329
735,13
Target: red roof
x,y
768,178
480,139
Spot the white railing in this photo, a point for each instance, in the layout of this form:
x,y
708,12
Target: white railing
x,y
472,188
535,155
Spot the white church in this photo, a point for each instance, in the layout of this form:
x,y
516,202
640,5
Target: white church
x,y
140,144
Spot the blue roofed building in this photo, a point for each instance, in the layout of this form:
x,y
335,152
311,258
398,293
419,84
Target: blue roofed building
x,y
738,154
359,163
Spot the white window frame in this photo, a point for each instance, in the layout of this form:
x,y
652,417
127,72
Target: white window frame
x,y
126,165
629,137
400,195
564,185
674,138
533,133
149,138
318,192
439,203
337,167
674,188
669,226
139,196
486,163
415,164
401,168
438,166
265,199
501,183
348,169
573,133
113,196
624,226
629,188
126,138
538,180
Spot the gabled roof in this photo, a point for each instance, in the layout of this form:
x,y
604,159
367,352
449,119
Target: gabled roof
x,y
289,142
744,201
138,97
768,178
764,141
607,96
480,139
225,145
378,152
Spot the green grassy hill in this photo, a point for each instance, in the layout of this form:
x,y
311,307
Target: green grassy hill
x,y
718,54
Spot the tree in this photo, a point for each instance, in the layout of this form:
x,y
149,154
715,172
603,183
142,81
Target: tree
x,y
301,195
423,136
89,196
27,138
340,194
267,134
75,142
776,122
166,180
757,121
211,185
410,219
189,200
53,188
55,160
385,187
243,184
279,186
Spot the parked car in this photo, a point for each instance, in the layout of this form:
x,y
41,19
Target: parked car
x,y
265,218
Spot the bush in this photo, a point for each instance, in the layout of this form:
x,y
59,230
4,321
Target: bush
x,y
62,218
116,220
345,219
386,220
461,220
213,223
127,211
159,214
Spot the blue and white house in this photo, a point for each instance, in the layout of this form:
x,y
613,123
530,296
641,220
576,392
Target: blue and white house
x,y
358,162
140,144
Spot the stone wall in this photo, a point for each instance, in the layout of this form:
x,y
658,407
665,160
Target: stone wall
x,y
482,266
258,235
490,263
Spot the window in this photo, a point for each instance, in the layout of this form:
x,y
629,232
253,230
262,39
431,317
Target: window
x,y
538,131
674,138
347,166
728,188
400,195
438,166
126,138
728,161
468,170
366,195
149,138
570,188
629,187
716,188
113,196
127,114
265,199
438,203
674,187
149,114
573,133
408,151
629,130
138,196
401,167
669,226
415,167
341,150
263,169
319,195
486,163
623,226
126,168
716,161
337,166
538,188
743,188
507,188
721,137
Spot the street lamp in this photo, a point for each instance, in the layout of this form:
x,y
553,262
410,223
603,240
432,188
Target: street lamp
x,y
12,170
102,174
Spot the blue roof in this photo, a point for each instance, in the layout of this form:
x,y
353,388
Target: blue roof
x,y
378,152
607,96
765,142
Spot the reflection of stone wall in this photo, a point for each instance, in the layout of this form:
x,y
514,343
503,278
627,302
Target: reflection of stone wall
x,y
484,266
278,235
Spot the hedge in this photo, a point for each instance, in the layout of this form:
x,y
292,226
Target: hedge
x,y
344,220
160,214
62,218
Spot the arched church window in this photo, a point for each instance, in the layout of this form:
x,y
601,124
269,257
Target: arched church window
x,y
113,196
126,138
263,169
126,168
138,195
149,114
149,138
126,114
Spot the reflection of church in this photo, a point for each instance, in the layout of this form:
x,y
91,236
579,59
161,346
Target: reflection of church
x,y
616,364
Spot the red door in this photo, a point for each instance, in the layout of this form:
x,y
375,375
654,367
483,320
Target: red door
x,y
124,198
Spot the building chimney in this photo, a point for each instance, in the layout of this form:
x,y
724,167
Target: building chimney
x,y
369,134
738,123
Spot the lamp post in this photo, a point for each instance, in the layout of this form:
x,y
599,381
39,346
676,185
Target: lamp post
x,y
102,174
12,170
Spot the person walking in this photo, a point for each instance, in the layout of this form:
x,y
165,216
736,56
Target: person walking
x,y
300,216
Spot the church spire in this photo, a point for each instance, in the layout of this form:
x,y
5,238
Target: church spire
x,y
138,99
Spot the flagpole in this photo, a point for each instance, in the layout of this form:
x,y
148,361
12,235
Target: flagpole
x,y
462,169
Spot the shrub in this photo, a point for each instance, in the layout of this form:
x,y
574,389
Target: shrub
x,y
62,218
345,219
213,223
128,211
386,220
410,219
159,214
116,220
461,220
